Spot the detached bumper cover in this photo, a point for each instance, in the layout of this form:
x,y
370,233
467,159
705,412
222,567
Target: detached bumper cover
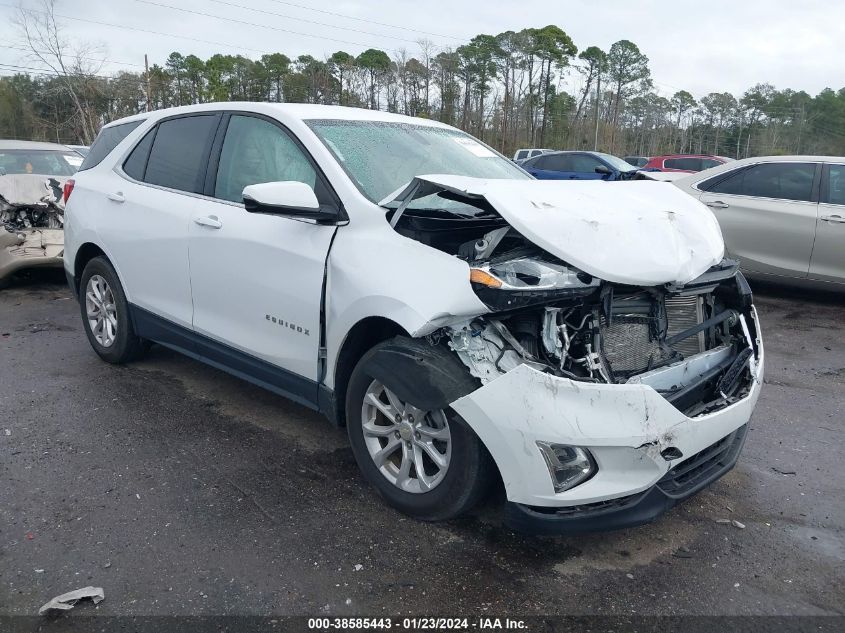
x,y
681,482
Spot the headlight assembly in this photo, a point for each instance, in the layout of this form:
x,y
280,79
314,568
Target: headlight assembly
x,y
523,281
526,273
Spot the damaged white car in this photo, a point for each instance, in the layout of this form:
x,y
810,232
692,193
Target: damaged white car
x,y
585,343
32,181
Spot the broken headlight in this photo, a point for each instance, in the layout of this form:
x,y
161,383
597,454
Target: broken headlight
x,y
523,281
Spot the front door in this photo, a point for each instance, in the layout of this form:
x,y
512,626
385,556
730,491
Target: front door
x,y
257,280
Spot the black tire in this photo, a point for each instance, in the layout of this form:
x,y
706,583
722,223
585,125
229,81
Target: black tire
x,y
467,478
126,346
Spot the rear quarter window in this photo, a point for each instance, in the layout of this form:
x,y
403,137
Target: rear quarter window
x,y
108,138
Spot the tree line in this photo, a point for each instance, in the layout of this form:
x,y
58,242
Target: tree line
x,y
506,89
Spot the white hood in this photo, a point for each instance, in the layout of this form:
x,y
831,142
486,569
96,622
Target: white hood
x,y
635,232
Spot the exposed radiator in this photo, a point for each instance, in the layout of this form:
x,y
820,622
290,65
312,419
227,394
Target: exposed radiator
x,y
634,341
683,313
631,345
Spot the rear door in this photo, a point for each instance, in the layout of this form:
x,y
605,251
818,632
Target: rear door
x,y
150,208
257,279
767,213
828,259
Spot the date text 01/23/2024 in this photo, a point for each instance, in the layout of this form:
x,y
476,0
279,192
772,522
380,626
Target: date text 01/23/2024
x,y
416,624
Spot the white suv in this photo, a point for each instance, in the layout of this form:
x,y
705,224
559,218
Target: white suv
x,y
586,345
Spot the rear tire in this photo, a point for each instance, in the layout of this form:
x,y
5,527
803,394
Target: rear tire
x,y
105,314
378,423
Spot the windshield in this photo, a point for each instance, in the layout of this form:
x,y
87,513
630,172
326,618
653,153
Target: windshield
x,y
42,162
381,157
617,163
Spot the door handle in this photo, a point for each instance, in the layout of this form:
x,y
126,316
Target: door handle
x,y
717,204
838,219
210,221
117,196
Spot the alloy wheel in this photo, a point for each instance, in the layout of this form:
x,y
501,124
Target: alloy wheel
x,y
101,310
410,447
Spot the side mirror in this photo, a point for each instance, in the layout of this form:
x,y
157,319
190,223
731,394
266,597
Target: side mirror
x,y
288,198
601,169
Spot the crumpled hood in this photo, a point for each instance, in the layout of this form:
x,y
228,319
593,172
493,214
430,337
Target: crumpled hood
x,y
634,232
32,189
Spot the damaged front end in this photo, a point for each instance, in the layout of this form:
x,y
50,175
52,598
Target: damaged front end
x,y
31,222
582,368
695,344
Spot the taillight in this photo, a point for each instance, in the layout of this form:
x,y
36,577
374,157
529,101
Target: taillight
x,y
68,189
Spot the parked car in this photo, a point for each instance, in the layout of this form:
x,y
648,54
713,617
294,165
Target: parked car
x,y
80,149
636,161
689,163
579,165
522,154
32,177
782,216
594,352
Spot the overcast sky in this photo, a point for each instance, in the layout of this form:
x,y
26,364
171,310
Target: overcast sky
x,y
699,45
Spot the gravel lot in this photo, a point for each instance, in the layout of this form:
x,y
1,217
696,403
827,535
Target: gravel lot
x,y
182,490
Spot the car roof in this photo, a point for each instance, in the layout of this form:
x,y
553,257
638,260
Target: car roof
x,y
32,145
733,165
786,159
687,156
573,151
287,111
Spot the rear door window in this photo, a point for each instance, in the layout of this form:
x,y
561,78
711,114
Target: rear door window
x,y
554,162
108,138
179,154
521,154
783,181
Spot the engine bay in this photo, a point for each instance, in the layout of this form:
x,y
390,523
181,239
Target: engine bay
x,y
694,343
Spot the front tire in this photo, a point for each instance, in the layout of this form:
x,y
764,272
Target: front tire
x,y
427,464
105,314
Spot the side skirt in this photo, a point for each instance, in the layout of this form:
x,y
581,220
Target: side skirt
x,y
235,362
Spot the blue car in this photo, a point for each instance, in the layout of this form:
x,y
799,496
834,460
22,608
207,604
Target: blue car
x,y
578,166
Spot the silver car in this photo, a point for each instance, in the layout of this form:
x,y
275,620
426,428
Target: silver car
x,y
783,217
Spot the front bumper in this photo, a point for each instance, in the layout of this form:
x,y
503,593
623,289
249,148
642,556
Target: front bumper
x,y
625,427
30,248
679,483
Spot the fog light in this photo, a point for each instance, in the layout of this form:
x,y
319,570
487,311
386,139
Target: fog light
x,y
568,465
